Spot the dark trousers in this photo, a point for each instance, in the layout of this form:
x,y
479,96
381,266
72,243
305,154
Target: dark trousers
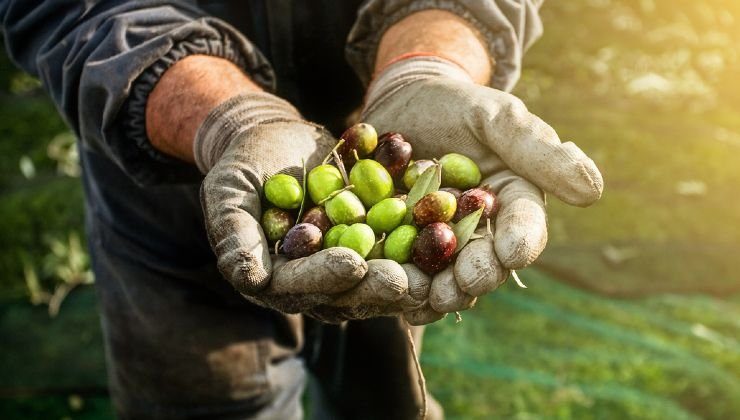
x,y
181,343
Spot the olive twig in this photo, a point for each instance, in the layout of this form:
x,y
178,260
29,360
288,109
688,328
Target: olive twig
x,y
334,194
331,154
340,166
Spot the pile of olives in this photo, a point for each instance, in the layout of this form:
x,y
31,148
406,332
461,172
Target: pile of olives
x,y
377,208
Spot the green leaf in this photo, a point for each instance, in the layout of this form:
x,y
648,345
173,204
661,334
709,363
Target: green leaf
x,y
465,228
429,181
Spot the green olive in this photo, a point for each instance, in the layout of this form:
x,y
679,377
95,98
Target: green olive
x,y
414,171
386,215
459,171
332,236
284,191
345,208
399,243
372,182
322,181
359,237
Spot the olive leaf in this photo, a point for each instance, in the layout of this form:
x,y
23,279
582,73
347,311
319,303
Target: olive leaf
x,y
428,181
465,228
305,193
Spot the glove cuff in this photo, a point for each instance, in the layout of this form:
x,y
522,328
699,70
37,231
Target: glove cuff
x,y
233,118
404,72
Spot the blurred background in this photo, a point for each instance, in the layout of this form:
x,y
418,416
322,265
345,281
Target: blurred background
x,y
632,312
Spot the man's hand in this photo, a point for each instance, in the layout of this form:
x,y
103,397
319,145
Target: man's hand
x,y
440,108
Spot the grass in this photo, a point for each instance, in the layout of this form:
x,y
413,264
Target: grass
x,y
633,310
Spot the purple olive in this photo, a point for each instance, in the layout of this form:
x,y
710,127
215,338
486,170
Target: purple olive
x,y
473,199
434,248
302,240
317,217
394,155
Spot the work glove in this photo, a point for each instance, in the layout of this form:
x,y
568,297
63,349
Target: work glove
x,y
436,105
241,144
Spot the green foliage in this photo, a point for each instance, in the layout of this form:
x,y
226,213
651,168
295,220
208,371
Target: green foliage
x,y
551,351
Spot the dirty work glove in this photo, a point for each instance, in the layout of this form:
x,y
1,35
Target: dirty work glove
x,y
438,107
241,144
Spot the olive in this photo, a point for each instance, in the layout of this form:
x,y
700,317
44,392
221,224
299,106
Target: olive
x,y
437,206
459,171
414,171
361,137
317,217
386,215
372,182
331,239
276,223
394,155
474,199
398,244
322,181
302,240
434,248
345,208
359,237
284,191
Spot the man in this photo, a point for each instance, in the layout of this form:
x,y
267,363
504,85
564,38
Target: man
x,y
162,92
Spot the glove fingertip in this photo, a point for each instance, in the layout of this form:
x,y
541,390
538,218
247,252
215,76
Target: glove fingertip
x,y
246,272
584,184
477,270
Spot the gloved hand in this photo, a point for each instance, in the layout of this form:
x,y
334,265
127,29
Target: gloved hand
x,y
439,109
241,144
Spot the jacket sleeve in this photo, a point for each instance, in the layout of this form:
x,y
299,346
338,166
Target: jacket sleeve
x,y
99,60
509,27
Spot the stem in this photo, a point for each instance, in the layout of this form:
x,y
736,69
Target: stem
x,y
381,240
458,317
334,194
331,154
517,280
277,247
340,166
356,156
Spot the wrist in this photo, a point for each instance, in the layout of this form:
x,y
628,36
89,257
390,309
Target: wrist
x,y
183,97
436,33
